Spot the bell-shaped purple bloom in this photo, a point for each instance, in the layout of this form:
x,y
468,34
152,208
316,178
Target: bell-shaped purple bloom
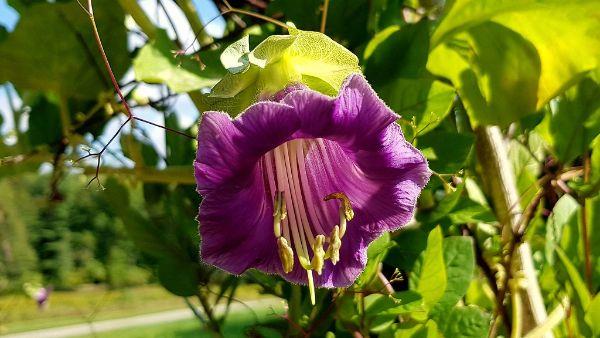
x,y
304,182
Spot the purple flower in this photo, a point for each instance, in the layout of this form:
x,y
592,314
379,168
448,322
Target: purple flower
x,y
304,182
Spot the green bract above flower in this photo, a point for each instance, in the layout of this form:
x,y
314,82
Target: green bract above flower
x,y
304,57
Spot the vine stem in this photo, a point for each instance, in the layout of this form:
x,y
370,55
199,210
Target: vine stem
x,y
500,183
584,224
90,11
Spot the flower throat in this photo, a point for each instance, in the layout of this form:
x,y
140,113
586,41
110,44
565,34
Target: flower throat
x,y
299,217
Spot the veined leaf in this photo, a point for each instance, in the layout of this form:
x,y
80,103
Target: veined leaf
x,y
156,63
429,276
509,58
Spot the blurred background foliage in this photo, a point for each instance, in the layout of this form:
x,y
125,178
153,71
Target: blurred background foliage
x,y
503,98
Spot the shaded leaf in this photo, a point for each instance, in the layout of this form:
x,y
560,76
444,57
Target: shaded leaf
x,y
582,292
179,277
69,63
570,128
446,152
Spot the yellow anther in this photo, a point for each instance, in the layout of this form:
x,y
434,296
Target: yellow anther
x,y
286,254
318,259
346,206
335,243
346,212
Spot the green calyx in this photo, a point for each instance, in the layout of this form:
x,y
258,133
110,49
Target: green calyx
x,y
310,58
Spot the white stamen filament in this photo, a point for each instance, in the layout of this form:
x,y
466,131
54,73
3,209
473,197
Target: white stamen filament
x,y
303,228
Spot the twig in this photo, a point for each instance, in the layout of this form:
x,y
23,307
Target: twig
x,y
164,127
324,15
98,155
130,117
231,9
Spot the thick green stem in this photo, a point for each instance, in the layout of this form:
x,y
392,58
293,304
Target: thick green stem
x,y
132,8
172,174
499,181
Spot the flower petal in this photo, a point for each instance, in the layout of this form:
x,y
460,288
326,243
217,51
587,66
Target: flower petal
x,y
236,225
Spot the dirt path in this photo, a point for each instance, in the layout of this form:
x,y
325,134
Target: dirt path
x,y
136,321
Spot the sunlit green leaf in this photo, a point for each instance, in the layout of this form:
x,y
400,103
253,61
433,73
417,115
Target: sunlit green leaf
x,y
459,261
299,57
157,62
503,56
592,315
429,275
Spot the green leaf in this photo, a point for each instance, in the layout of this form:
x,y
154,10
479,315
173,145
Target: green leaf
x,y
429,275
564,215
381,310
66,59
447,152
45,126
444,207
503,56
375,254
397,52
156,63
526,168
582,292
179,277
469,211
410,243
466,322
425,101
570,128
478,61
592,315
459,261
397,304
284,59
410,330
395,65
139,228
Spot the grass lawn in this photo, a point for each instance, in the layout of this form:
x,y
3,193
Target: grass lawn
x,y
237,325
19,313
